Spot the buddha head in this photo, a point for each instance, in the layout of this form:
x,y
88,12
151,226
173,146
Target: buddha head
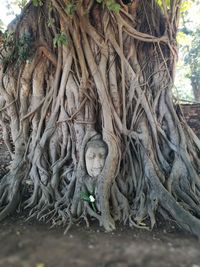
x,y
95,156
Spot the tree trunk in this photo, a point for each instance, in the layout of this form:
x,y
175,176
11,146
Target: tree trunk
x,y
75,73
195,88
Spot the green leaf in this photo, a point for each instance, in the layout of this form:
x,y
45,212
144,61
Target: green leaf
x,y
167,2
183,39
60,39
37,2
185,5
70,9
85,196
23,47
113,6
93,207
50,22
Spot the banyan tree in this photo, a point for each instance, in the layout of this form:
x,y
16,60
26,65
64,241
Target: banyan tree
x,y
95,77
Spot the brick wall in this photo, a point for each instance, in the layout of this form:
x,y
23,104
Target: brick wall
x,y
192,116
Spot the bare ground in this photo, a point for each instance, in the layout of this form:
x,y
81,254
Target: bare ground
x,y
31,244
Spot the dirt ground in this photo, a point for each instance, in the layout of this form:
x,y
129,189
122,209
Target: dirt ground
x,y
32,244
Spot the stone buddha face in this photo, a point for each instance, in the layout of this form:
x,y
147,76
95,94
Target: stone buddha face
x,y
95,156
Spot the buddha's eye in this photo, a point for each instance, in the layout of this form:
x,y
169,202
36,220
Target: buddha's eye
x,y
92,156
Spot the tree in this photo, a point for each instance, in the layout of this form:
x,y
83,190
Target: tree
x,y
188,37
193,59
76,71
1,25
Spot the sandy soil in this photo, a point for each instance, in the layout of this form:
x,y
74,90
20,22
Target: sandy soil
x,y
31,244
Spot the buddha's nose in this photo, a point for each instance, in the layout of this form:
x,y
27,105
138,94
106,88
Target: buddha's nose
x,y
97,163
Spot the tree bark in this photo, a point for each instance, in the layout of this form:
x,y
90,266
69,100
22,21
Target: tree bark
x,y
97,71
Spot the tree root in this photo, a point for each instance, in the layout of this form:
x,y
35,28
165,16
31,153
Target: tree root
x,y
112,80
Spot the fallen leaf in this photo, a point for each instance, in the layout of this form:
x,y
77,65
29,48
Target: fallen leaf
x,y
40,265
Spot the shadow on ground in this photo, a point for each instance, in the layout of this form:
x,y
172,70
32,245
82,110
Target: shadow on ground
x,y
31,244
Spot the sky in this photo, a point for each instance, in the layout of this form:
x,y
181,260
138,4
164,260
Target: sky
x,y
4,12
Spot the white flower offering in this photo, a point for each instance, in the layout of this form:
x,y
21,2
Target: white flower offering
x,y
92,199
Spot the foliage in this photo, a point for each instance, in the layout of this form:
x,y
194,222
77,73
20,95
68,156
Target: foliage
x,y
11,5
1,25
111,5
88,197
23,47
18,51
70,9
185,4
193,58
160,3
21,4
188,50
8,40
37,3
60,39
50,22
